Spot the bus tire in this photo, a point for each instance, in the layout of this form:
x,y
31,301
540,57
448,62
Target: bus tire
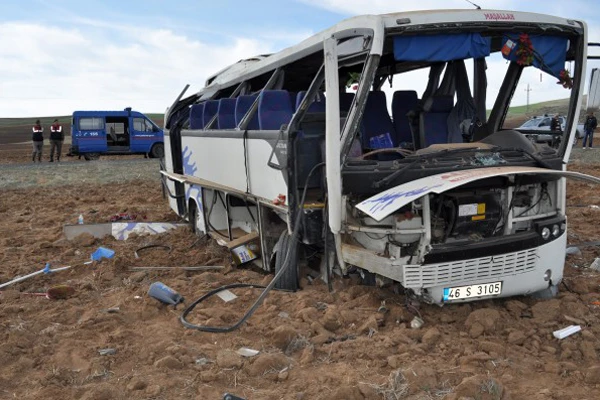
x,y
157,151
289,279
91,156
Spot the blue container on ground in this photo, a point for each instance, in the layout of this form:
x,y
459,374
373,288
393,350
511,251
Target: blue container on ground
x,y
164,294
102,252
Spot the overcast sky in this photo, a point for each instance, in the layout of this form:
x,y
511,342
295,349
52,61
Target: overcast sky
x,y
58,56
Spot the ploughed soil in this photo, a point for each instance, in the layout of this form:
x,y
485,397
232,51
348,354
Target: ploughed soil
x,y
110,340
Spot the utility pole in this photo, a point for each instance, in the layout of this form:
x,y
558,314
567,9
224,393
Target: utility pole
x,y
528,90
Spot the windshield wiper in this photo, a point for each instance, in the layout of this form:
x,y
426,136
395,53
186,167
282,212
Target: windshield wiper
x,y
442,153
535,158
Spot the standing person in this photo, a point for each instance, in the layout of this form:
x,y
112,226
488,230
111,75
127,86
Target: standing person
x,y
56,140
588,127
38,140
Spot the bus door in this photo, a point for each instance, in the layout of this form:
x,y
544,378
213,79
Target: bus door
x,y
90,134
143,135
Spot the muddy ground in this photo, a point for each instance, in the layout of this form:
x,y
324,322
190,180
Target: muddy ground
x,y
314,344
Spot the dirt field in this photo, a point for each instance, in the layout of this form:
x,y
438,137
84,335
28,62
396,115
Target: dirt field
x,y
313,344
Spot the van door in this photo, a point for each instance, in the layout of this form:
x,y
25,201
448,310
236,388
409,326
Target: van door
x,y
143,135
90,134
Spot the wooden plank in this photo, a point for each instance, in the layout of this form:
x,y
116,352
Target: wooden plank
x,y
242,240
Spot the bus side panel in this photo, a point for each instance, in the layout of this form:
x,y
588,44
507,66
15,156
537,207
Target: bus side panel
x,y
221,161
89,141
169,168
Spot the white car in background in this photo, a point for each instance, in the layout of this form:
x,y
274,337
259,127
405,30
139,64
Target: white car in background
x,y
543,123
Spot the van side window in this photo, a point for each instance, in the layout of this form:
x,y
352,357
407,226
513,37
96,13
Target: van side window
x,y
142,125
91,123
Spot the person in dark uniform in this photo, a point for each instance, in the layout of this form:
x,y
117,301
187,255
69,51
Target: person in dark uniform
x,y
555,125
588,127
38,141
56,140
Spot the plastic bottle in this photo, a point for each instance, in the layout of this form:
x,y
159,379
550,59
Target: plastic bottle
x,y
80,219
164,294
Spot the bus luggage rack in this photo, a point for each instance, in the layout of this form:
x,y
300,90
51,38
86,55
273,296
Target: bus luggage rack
x,y
473,270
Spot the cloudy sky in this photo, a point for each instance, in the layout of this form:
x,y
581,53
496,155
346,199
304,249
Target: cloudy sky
x,y
61,55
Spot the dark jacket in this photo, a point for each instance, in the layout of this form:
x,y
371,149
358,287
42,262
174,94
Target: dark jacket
x,y
38,133
555,125
590,123
56,132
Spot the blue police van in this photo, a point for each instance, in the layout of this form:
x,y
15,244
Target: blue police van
x,y
115,132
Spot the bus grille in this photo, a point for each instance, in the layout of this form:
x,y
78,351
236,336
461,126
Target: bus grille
x,y
473,270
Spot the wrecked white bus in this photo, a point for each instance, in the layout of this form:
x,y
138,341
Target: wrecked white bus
x,y
320,156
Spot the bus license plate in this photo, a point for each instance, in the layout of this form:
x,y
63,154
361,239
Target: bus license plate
x,y
465,292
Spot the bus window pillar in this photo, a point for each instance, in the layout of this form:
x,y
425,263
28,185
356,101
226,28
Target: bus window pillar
x,y
332,144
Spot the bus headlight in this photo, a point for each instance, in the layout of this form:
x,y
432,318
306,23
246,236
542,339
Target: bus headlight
x,y
555,230
545,233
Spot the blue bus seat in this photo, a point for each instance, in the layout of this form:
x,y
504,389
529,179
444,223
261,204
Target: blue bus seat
x,y
210,110
274,109
377,123
317,105
346,100
403,102
242,105
196,112
434,120
226,114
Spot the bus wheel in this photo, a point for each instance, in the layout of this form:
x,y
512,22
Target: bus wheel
x,y
157,151
289,279
91,156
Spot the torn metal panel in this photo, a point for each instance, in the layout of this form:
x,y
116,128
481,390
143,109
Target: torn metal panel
x,y
385,203
119,230
363,258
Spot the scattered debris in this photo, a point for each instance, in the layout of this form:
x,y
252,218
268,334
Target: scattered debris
x,y
59,292
203,361
164,294
416,323
101,253
107,352
341,338
574,250
119,230
198,268
565,332
228,396
152,246
247,352
112,310
226,295
124,217
595,265
283,314
45,270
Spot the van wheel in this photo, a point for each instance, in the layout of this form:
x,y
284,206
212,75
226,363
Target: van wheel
x,y
157,151
289,279
91,156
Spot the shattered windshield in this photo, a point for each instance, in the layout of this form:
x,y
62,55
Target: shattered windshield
x,y
463,87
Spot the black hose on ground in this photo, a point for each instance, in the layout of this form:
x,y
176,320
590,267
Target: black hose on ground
x,y
267,289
